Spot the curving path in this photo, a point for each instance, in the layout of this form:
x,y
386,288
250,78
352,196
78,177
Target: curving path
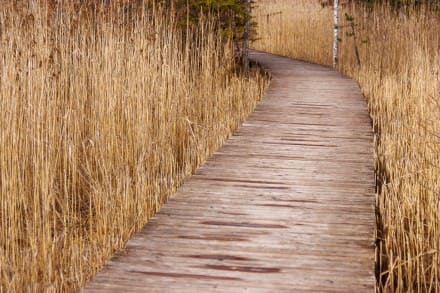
x,y
285,205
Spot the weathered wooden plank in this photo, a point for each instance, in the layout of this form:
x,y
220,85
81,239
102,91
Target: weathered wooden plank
x,y
285,205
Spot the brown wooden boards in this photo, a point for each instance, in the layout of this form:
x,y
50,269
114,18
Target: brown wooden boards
x,y
285,205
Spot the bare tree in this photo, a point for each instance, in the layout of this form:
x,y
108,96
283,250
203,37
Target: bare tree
x,y
335,33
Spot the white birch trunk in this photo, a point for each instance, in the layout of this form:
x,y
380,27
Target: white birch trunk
x,y
335,33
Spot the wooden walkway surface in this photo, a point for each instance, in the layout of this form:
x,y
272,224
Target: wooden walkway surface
x,y
285,205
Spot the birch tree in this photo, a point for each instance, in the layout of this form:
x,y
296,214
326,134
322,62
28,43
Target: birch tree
x,y
335,33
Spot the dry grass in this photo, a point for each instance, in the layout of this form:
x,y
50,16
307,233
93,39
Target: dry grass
x,y
399,75
291,30
104,112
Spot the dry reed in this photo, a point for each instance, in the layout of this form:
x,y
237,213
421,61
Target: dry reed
x,y
399,75
103,114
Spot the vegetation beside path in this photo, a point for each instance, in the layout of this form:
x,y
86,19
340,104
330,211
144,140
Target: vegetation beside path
x,y
105,110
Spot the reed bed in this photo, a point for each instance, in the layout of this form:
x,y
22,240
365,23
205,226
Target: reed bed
x,y
292,29
398,72
105,110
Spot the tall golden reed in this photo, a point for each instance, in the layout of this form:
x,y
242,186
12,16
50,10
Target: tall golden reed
x,y
399,75
104,112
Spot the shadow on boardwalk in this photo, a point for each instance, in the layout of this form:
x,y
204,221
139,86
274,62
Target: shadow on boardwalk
x,y
285,205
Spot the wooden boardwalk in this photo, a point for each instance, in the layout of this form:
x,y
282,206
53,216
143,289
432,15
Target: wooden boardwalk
x,y
285,205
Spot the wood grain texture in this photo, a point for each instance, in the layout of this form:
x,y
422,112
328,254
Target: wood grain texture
x,y
285,205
